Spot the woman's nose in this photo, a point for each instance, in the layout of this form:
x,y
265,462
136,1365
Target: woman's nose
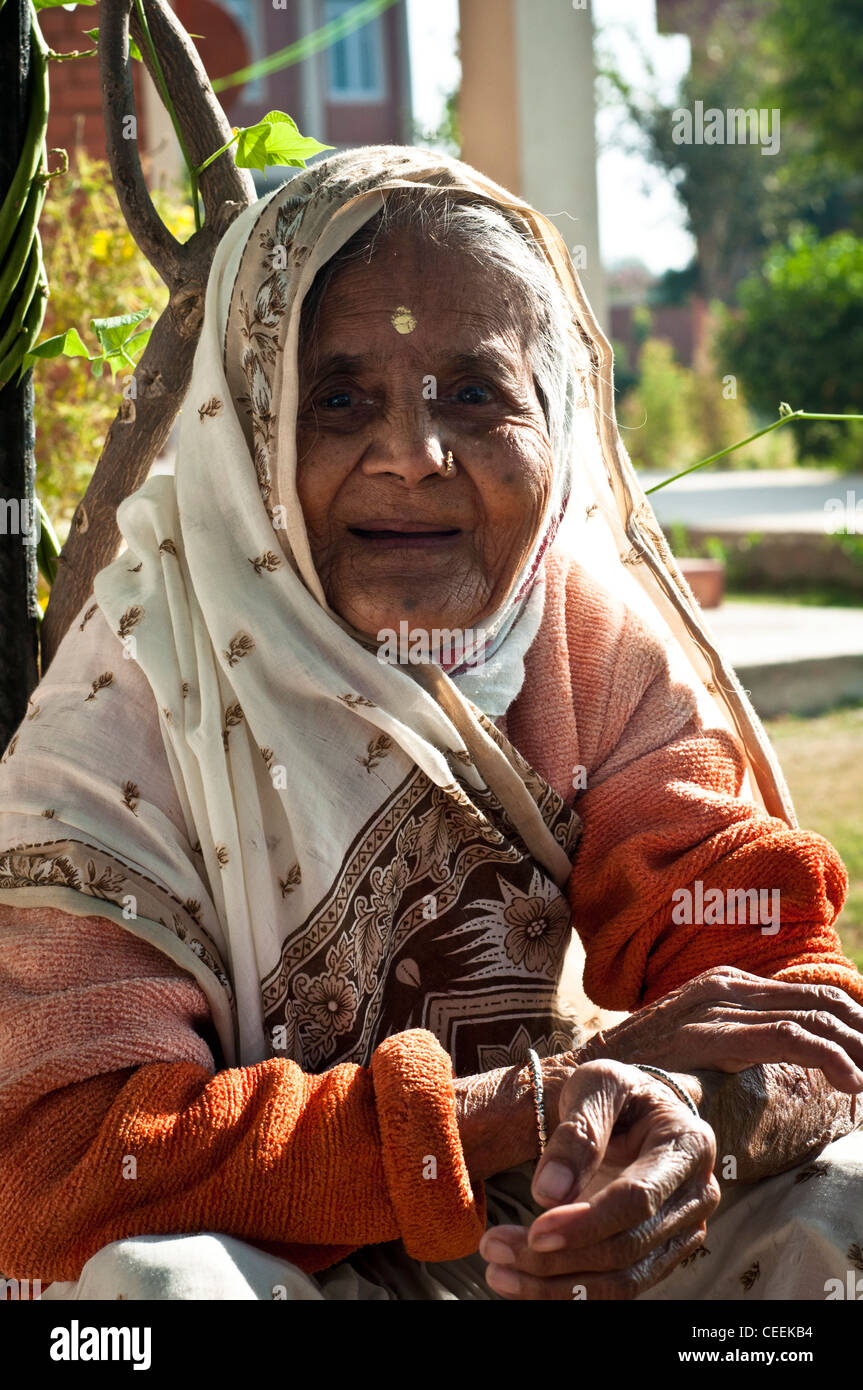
x,y
407,449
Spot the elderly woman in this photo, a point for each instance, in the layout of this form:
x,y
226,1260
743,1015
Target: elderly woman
x,y
286,917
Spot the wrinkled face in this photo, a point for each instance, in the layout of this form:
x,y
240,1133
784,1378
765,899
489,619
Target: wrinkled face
x,y
420,352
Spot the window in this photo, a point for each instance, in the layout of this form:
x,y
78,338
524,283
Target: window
x,y
355,62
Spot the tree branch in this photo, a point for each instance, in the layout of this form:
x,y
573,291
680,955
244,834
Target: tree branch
x,y
204,124
162,376
137,436
161,248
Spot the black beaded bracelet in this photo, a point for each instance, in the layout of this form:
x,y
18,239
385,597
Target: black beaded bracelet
x,y
538,1097
669,1081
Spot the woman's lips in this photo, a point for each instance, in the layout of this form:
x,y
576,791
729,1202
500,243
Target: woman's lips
x,y
406,535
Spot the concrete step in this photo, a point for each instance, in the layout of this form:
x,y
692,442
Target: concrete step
x,y
792,659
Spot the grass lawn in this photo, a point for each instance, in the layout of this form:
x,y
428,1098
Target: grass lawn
x,y
819,757
823,597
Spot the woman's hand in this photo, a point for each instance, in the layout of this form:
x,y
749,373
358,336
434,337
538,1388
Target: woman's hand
x,y
636,1229
728,1020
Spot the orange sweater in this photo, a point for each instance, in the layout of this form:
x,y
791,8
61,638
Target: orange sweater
x,y
662,810
102,1051
309,1166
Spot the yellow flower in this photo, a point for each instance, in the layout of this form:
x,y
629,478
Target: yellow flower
x,y
99,243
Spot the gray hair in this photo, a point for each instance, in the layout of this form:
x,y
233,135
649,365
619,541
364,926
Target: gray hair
x,y
497,242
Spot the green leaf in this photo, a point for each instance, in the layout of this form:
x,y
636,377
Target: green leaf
x,y
126,356
55,4
134,50
135,345
112,334
115,362
48,547
66,344
275,140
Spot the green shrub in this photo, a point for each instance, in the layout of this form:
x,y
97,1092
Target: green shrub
x,y
798,336
95,270
674,416
656,414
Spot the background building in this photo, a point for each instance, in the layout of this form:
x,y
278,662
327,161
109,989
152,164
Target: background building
x,y
356,92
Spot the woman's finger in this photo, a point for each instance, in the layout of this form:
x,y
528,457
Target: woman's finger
x,y
728,985
688,1208
659,1203
590,1103
611,1285
819,1022
673,1148
788,996
732,1045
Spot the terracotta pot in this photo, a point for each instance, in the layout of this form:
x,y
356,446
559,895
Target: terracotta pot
x,y
706,579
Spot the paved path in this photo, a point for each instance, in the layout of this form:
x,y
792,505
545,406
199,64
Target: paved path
x,y
791,659
788,499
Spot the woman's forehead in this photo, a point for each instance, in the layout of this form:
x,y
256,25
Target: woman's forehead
x,y
413,292
375,341
411,259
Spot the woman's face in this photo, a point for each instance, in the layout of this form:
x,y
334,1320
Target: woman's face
x,y
419,352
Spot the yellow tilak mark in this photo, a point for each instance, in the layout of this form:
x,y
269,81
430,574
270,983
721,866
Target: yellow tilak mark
x,y
403,320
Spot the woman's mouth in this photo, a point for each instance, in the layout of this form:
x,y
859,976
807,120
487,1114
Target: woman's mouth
x,y
411,535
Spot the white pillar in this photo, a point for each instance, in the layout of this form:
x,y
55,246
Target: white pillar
x,y
556,118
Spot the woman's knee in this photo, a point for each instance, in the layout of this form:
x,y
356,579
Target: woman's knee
x,y
207,1266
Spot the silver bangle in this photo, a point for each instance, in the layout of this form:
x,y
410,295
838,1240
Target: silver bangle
x,y
669,1081
538,1097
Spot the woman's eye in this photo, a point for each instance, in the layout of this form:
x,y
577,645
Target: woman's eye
x,y
475,394
343,399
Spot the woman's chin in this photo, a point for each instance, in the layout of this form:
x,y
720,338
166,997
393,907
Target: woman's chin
x,y
408,625
406,617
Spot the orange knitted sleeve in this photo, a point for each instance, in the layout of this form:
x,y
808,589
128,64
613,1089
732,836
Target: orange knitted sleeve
x,y
93,1149
665,825
267,1153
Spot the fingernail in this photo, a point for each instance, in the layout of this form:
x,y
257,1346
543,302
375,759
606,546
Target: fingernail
x,y
553,1182
549,1242
504,1280
497,1253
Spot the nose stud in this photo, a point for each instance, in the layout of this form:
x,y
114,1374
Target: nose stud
x,y
447,467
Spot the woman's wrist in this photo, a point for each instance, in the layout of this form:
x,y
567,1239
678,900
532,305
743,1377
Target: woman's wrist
x,y
700,1085
684,1085
704,1087
496,1120
496,1113
556,1071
